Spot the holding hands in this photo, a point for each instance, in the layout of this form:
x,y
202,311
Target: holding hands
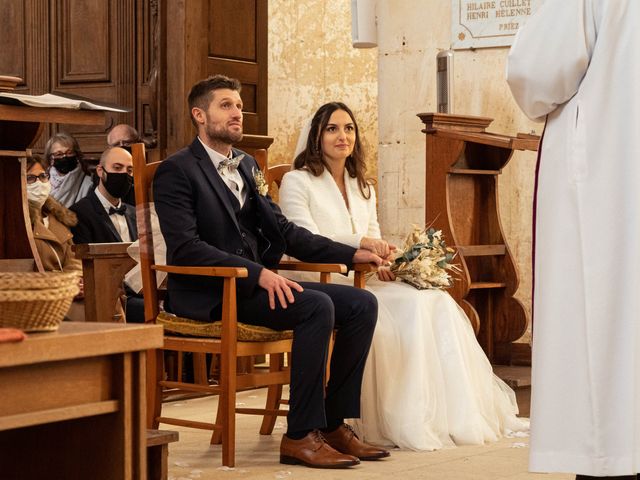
x,y
380,247
366,256
383,249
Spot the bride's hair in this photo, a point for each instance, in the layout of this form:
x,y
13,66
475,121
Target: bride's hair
x,y
311,157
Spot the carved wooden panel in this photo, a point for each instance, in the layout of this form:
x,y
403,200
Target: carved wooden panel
x,y
82,41
151,83
141,54
24,25
94,56
12,60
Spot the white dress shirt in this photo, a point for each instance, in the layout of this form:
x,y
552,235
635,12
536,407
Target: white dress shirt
x,y
119,221
231,179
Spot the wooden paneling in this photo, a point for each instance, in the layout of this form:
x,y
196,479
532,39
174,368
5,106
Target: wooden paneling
x,y
141,54
151,109
12,60
24,26
231,25
237,47
94,49
82,41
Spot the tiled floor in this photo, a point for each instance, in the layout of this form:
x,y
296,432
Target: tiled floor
x,y
257,456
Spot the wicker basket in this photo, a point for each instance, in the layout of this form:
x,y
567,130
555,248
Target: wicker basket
x,y
36,302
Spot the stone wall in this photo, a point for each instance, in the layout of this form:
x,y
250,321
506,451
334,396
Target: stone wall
x,y
410,34
311,62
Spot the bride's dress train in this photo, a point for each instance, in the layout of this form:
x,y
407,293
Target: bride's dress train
x,y
428,383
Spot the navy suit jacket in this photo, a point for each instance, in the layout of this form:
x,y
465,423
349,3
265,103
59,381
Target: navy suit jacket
x,y
200,228
94,224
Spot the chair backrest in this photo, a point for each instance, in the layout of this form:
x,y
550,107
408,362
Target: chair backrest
x,y
272,175
143,174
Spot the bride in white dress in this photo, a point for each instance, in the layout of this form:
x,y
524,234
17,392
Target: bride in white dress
x,y
427,383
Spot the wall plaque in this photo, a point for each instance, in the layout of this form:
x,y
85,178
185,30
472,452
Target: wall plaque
x,y
492,23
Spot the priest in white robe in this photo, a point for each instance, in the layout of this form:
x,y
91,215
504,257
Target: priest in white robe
x,y
577,63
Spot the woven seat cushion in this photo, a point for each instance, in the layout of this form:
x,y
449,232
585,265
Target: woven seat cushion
x,y
193,328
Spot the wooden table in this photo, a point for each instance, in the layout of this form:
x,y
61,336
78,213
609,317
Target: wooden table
x,y
73,402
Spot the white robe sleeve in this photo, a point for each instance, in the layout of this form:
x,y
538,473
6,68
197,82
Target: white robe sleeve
x,y
550,56
294,201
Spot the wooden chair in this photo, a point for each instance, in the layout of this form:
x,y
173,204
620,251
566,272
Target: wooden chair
x,y
227,346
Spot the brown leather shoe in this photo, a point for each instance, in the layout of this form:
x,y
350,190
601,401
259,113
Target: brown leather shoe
x,y
345,440
314,452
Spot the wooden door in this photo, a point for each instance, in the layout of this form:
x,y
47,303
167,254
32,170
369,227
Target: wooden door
x,y
237,47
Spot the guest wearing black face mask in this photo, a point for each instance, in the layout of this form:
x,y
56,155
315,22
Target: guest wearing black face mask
x,y
104,218
123,135
69,181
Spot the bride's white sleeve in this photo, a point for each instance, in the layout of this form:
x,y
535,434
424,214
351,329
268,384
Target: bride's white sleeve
x,y
373,229
294,200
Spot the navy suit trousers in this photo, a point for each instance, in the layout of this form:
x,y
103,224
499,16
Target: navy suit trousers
x,y
316,312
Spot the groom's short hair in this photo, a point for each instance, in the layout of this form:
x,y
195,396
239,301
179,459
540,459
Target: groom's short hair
x,y
201,93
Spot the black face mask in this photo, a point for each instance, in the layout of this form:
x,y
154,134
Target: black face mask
x,y
65,164
117,184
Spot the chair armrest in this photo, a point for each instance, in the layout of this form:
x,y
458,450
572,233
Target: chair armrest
x,y
229,272
324,269
312,267
360,273
365,267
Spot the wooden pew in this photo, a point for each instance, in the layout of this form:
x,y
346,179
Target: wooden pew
x,y
103,268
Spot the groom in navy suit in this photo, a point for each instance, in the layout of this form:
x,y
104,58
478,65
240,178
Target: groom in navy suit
x,y
212,213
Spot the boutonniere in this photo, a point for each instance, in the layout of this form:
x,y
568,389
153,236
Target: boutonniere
x,y
261,183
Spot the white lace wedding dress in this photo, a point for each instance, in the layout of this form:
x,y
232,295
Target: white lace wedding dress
x,y
427,383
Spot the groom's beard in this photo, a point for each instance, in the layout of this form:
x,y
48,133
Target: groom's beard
x,y
222,134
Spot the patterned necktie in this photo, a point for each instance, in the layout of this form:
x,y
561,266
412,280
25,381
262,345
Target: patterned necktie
x,y
231,164
120,210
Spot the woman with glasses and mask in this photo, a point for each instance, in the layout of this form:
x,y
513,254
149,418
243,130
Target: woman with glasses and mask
x,y
69,181
51,223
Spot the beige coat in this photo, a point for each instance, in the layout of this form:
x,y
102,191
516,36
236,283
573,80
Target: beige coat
x,y
54,242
